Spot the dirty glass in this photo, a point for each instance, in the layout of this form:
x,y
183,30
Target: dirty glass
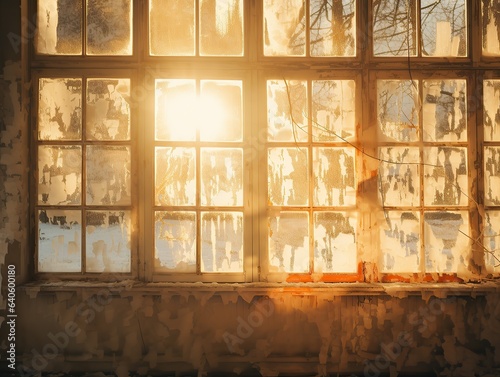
x,y
491,241
491,110
492,176
490,28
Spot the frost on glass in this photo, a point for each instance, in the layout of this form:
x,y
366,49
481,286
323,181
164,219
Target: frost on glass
x,y
333,110
491,110
332,27
284,27
394,28
491,240
221,27
108,109
287,179
108,241
287,110
59,241
60,109
175,112
221,176
222,242
399,178
289,242
59,27
59,175
175,241
335,242
445,176
334,175
108,175
400,241
109,27
492,175
444,28
446,238
444,110
172,27
490,27
397,109
175,182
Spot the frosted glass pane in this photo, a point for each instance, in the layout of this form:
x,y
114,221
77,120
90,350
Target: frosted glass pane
x,y
334,175
400,242
394,28
444,29
444,110
59,175
109,27
490,27
444,242
397,109
287,179
445,176
108,175
491,240
175,182
399,179
287,110
492,176
172,27
289,242
108,237
59,241
335,242
222,242
221,27
491,110
60,109
284,27
333,110
59,27
175,241
221,177
108,109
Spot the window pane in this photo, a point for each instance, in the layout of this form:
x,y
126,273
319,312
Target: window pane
x,y
492,240
335,242
108,175
444,241
490,27
59,241
288,182
445,176
59,175
444,30
175,182
287,110
221,177
284,27
60,109
109,27
108,241
334,175
175,241
333,110
394,28
397,109
172,27
492,176
399,179
222,242
400,241
108,109
444,110
289,242
59,27
491,112
332,27
221,27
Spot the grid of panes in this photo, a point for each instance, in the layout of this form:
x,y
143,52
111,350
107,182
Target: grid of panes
x,y
311,176
84,194
423,174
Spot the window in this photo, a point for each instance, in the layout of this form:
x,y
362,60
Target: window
x,y
266,141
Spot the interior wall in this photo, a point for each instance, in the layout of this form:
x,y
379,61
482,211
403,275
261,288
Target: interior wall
x,y
210,329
